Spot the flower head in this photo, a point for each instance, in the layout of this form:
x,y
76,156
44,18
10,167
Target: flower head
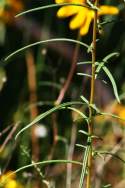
x,y
82,16
8,180
9,8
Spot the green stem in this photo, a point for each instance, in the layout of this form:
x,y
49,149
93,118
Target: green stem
x,y
91,101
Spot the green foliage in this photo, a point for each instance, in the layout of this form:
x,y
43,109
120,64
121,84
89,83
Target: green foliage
x,y
86,109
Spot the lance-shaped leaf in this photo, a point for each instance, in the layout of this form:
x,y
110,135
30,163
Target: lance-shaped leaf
x,y
110,76
44,42
45,114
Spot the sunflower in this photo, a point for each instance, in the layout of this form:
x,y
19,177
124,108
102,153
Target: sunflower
x,y
9,8
82,16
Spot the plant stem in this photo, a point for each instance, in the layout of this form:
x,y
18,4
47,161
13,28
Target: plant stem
x,y
92,91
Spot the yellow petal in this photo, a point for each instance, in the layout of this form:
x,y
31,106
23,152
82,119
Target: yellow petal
x,y
85,28
83,16
59,1
108,10
67,11
79,19
69,1
76,1
11,184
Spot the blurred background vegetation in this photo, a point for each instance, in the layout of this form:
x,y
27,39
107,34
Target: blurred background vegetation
x,y
31,82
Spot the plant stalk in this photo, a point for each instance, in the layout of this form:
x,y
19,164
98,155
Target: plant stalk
x,y
92,91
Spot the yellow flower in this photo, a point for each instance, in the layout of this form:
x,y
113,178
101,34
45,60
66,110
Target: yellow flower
x,y
116,109
119,110
8,180
82,16
9,8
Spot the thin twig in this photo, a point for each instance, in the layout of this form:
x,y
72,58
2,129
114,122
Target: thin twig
x,y
9,137
5,130
70,75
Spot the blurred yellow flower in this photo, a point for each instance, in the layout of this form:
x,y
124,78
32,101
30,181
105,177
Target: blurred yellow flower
x,y
119,110
8,180
82,16
113,108
9,8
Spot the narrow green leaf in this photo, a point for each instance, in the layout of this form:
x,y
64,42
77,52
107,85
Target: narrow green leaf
x,y
107,186
112,115
105,60
80,113
107,22
84,74
114,54
95,108
41,116
84,99
84,63
112,154
99,67
83,132
81,146
47,162
39,163
63,139
52,6
106,70
43,42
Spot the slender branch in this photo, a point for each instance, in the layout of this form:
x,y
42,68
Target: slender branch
x,y
70,75
9,137
5,130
